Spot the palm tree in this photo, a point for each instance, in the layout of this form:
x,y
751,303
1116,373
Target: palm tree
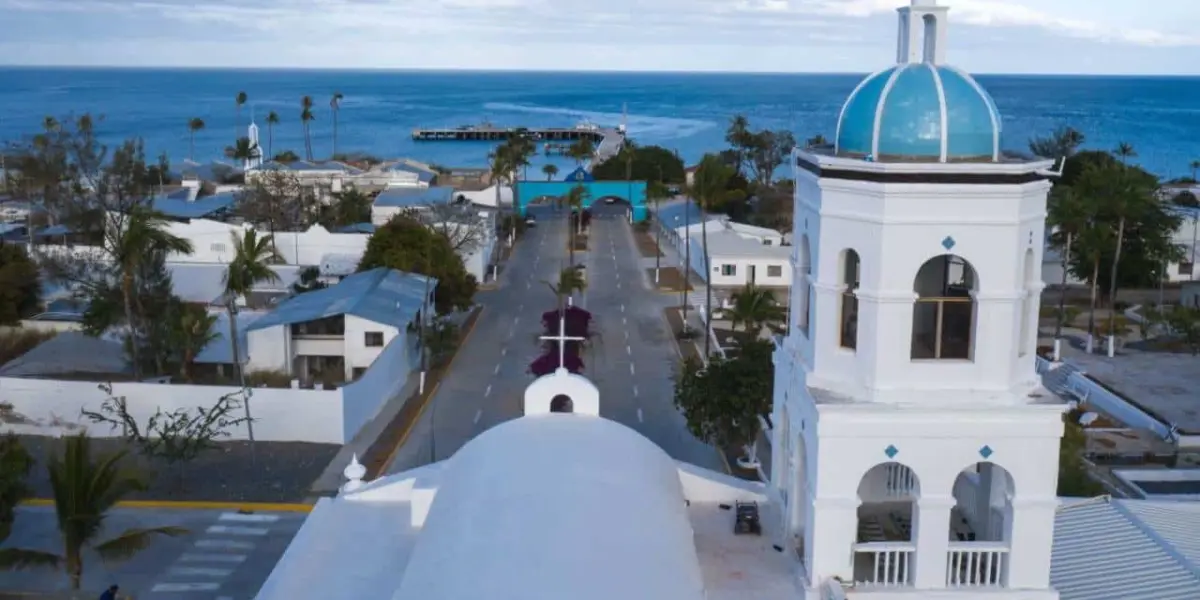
x,y
754,308
191,335
738,136
816,140
144,234
575,199
570,280
711,179
1062,142
1069,216
501,170
272,121
194,124
85,489
251,262
244,150
335,104
1123,203
550,171
239,101
306,117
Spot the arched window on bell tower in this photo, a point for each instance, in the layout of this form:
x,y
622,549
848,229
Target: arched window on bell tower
x,y
929,53
803,285
943,321
851,271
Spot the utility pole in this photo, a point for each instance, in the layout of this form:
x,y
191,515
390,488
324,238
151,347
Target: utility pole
x,y
657,229
421,346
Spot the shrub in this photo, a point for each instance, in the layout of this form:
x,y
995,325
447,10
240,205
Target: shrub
x,y
269,379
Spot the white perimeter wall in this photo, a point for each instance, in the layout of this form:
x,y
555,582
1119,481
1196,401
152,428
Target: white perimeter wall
x,y
51,407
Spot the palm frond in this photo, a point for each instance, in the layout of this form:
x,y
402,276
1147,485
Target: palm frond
x,y
133,541
17,559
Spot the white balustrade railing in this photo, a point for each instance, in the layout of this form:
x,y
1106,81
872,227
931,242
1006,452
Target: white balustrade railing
x,y
901,481
884,563
976,564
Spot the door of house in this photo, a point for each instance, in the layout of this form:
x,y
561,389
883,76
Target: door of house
x,y
751,273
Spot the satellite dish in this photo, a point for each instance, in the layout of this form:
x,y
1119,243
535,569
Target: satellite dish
x,y
1088,418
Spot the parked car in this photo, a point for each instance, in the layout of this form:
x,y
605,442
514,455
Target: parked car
x,y
530,221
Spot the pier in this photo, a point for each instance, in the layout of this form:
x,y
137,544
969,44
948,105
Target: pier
x,y
607,141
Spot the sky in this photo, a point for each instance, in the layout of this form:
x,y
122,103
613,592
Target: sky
x,y
986,36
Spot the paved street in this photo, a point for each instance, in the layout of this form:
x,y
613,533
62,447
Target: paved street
x,y
631,360
225,556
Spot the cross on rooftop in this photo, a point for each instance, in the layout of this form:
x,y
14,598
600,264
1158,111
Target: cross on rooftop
x,y
562,338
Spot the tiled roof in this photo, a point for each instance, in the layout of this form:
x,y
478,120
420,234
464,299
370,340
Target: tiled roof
x,y
413,197
1107,549
381,295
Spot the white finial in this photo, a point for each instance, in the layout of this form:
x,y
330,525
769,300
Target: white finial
x,y
562,338
354,473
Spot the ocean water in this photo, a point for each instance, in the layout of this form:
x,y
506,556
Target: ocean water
x,y
688,112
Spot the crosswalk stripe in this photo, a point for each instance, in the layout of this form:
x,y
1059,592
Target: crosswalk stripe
x,y
251,518
185,587
234,530
225,544
201,571
223,558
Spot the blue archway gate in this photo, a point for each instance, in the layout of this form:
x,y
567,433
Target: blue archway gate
x,y
633,192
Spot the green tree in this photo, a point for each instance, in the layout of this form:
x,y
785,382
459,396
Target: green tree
x,y
190,332
194,124
145,233
816,140
15,464
20,286
740,139
722,402
1183,322
550,171
335,105
1069,216
1063,142
406,244
309,281
243,150
645,163
570,280
272,199
755,308
582,150
575,199
1073,478
85,489
306,118
710,182
502,169
349,207
251,265
272,121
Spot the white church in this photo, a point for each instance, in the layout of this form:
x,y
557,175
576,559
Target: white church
x,y
915,452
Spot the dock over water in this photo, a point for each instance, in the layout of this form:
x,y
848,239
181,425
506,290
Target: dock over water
x,y
607,141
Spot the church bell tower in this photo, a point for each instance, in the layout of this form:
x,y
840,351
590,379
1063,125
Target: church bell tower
x,y
914,447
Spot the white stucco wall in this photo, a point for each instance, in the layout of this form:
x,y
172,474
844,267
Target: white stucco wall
x,y
269,349
273,348
48,407
355,349
741,267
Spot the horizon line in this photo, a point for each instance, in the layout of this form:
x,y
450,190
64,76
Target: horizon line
x,y
475,70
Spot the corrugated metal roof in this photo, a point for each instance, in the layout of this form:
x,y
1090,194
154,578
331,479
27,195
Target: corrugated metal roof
x,y
179,208
304,165
724,243
381,295
680,214
413,197
205,282
70,352
1105,550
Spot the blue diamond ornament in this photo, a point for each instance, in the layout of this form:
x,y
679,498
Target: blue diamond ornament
x,y
986,452
891,451
948,243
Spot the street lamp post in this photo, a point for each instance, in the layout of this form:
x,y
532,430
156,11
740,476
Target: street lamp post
x,y
657,230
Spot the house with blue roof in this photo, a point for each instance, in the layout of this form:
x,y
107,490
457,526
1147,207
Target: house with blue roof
x,y
180,206
333,335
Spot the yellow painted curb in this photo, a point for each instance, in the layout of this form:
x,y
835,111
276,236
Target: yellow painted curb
x,y
197,504
408,430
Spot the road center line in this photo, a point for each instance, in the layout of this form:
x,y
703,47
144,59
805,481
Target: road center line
x,y
478,413
640,420
635,392
631,368
516,320
624,321
622,308
497,369
628,350
488,391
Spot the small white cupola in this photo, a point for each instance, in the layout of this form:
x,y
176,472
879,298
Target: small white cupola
x,y
922,33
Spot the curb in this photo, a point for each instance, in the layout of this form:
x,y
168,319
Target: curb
x,y
196,504
387,464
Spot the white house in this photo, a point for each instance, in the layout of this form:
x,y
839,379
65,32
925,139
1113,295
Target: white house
x,y
911,428
336,333
212,242
391,202
735,261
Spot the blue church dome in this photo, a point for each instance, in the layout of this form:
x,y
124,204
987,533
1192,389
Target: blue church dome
x,y
920,111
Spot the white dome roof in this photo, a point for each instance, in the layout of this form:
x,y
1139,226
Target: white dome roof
x,y
556,506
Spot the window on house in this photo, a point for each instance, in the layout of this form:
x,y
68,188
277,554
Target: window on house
x,y
335,325
373,339
774,271
217,247
1186,268
728,270
359,372
767,242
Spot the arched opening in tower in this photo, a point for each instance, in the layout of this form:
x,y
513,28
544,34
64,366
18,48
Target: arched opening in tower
x,y
562,404
931,26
